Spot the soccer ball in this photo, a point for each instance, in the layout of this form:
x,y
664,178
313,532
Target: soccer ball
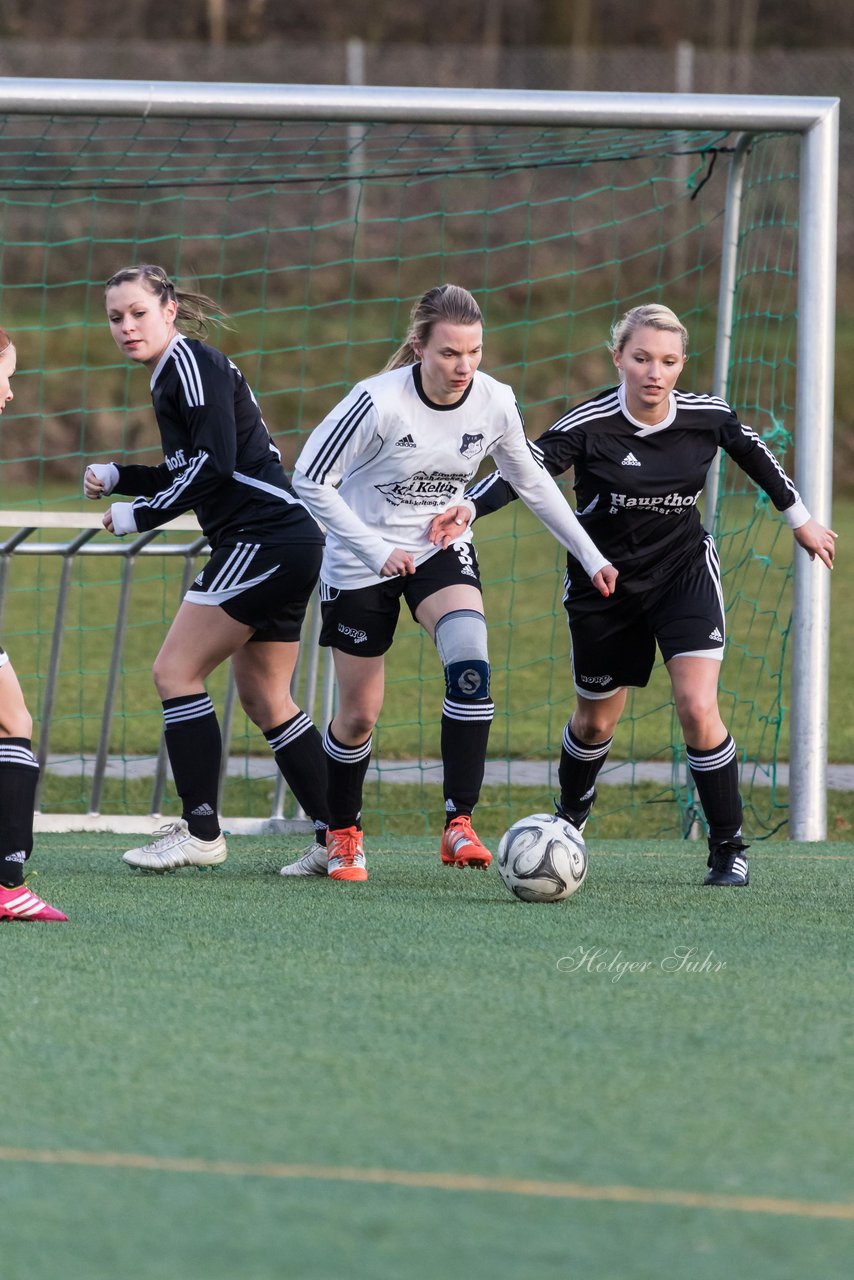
x,y
542,858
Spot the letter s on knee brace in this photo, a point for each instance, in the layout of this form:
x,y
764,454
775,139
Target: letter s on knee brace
x,y
462,644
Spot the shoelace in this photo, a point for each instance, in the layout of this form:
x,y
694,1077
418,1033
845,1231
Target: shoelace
x,y
346,849
162,833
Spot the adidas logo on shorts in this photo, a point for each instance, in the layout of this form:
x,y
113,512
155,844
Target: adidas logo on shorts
x,y
716,635
405,442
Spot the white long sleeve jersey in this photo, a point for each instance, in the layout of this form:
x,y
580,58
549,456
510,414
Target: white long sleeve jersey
x,y
386,460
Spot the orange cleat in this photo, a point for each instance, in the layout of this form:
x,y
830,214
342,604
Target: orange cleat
x,y
346,854
461,847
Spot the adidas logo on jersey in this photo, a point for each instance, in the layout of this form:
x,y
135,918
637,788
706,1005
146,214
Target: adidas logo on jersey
x,y
716,635
405,442
630,460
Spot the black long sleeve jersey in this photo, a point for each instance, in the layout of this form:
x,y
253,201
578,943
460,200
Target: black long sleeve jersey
x,y
220,460
636,486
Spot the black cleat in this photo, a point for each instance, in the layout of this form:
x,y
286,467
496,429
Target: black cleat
x,y
727,864
576,817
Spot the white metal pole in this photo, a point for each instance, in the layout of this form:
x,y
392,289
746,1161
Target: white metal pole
x,y
355,132
813,470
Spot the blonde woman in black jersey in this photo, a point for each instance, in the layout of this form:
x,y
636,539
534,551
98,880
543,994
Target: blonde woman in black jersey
x,y
640,452
248,602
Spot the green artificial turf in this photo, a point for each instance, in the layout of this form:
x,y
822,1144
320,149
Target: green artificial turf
x,y
427,1025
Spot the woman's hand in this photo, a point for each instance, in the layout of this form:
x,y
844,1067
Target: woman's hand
x,y
398,564
605,580
449,525
99,479
119,519
817,541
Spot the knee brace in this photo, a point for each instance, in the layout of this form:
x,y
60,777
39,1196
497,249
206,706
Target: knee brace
x,y
461,642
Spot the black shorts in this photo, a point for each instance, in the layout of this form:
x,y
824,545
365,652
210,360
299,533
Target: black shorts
x,y
265,586
614,639
363,621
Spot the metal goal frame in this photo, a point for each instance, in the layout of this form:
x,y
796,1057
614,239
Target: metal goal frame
x,y
814,120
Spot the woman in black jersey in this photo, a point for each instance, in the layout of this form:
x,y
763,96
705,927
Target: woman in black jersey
x,y
640,453
19,769
249,601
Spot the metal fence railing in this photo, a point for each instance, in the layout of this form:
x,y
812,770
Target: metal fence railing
x,y
313,677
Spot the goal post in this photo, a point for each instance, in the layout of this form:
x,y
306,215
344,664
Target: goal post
x,y
316,214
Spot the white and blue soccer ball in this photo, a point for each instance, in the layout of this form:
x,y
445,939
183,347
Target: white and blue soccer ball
x,y
542,858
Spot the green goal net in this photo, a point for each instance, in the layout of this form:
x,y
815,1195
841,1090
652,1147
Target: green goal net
x,y
316,236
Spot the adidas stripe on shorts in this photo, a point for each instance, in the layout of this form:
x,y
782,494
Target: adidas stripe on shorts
x,y
614,640
363,620
265,586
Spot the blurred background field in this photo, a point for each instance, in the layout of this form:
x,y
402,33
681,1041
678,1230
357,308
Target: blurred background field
x,y
316,239
556,230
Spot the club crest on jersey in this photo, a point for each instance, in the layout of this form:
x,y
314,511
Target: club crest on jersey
x,y
423,489
471,445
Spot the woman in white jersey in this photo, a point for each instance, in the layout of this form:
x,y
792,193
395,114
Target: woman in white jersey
x,y
393,454
19,770
249,600
640,453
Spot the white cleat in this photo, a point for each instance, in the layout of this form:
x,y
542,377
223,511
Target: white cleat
x,y
175,847
312,863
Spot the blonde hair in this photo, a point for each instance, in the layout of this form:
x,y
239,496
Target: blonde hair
x,y
652,315
447,302
194,309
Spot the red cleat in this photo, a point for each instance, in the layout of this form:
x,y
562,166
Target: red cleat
x,y
346,854
461,847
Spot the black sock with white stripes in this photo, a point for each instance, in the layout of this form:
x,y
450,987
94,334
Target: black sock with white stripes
x,y
464,738
298,748
19,776
715,775
578,770
346,768
194,744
